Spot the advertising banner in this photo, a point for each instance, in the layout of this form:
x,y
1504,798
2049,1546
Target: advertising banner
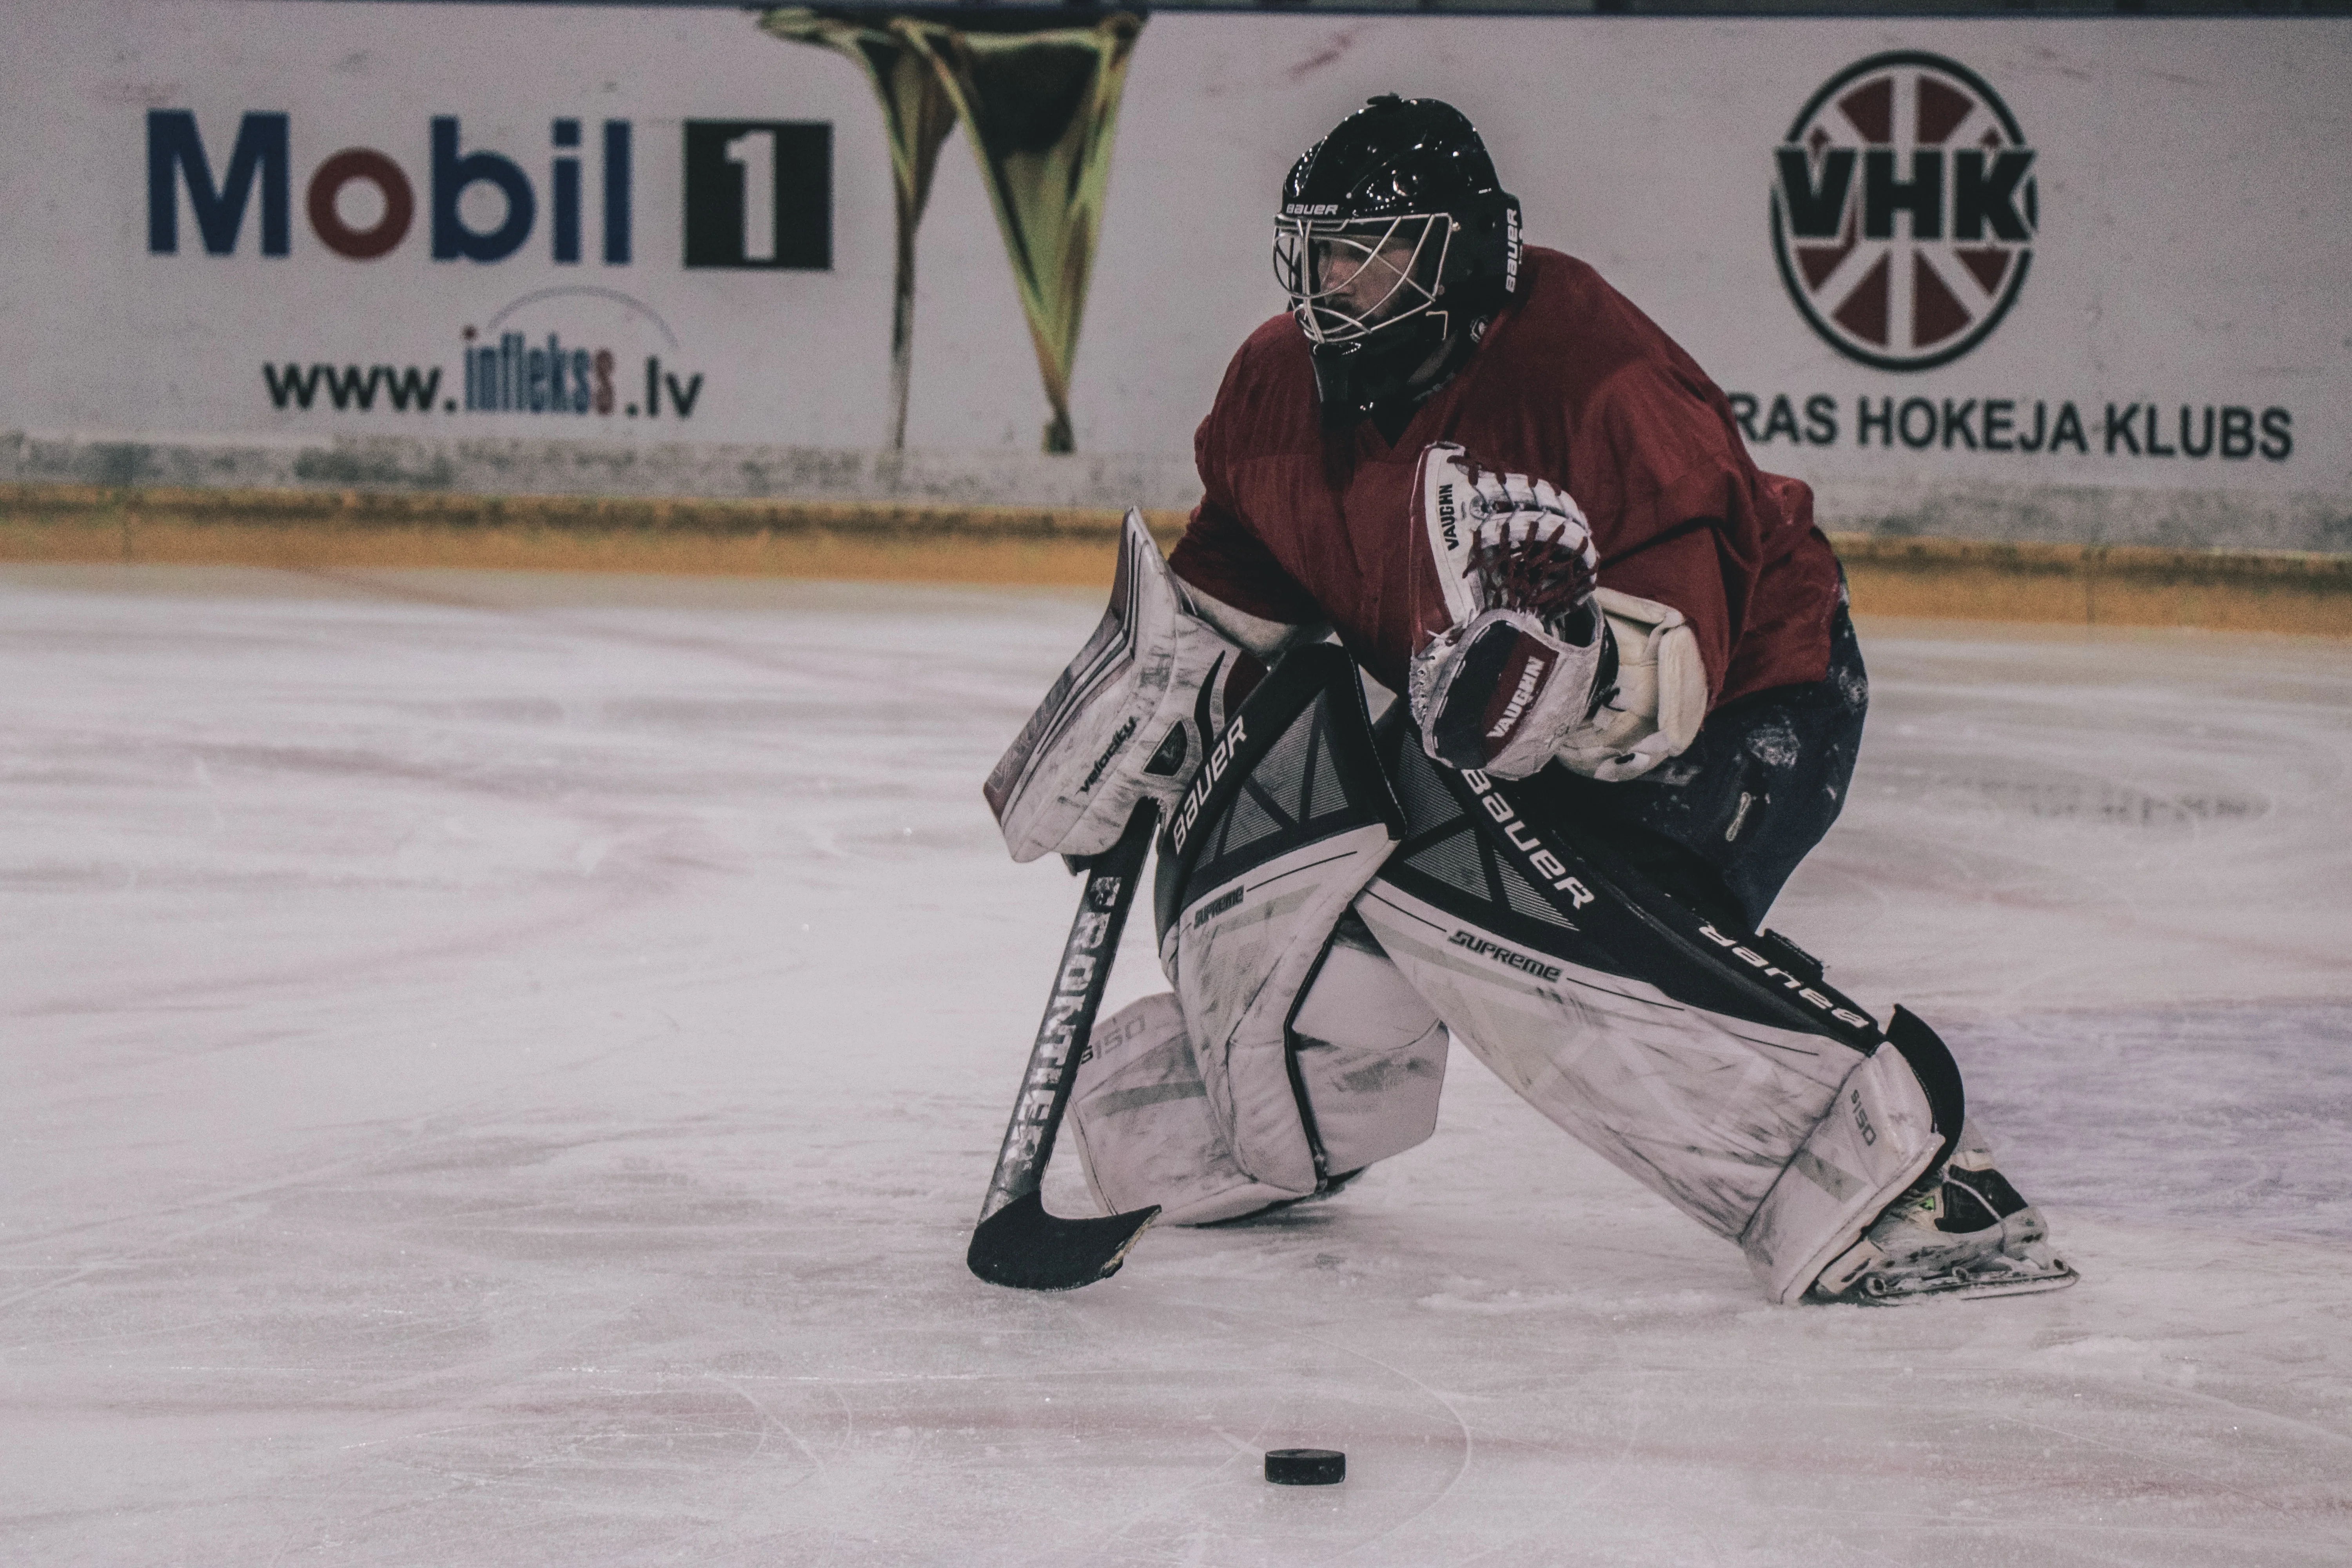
x,y
2098,267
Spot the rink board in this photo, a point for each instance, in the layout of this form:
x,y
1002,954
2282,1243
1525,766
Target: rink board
x,y
2170,267
2300,594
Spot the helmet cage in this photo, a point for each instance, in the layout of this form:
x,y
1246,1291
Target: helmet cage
x,y
1407,251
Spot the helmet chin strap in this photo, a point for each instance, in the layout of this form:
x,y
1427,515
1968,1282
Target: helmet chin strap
x,y
1439,367
1339,382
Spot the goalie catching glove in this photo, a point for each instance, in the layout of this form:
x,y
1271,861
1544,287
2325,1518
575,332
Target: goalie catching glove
x,y
1536,661
1526,655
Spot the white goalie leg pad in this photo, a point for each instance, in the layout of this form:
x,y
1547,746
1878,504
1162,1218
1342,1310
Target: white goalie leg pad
x,y
1702,1109
1239,956
1140,1122
1878,1138
1720,1071
1371,1054
1371,1061
1285,825
1126,720
1780,1140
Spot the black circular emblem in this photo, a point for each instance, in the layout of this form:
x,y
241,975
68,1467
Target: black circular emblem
x,y
1904,210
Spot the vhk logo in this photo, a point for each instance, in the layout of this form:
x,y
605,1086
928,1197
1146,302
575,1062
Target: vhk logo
x,y
1905,211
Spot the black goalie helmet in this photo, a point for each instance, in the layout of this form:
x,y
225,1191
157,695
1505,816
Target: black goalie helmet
x,y
1395,241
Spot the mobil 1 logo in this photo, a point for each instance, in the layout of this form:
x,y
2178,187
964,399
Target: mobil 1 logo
x,y
1904,210
758,194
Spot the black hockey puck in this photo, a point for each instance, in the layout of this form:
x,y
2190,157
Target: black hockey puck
x,y
1305,1467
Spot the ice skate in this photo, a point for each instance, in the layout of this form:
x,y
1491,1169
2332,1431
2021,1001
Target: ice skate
x,y
1963,1232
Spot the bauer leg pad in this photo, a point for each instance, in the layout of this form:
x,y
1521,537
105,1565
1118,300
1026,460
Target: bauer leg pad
x,y
1716,1067
1292,1053
1142,1124
1878,1137
1370,1054
1140,1114
1288,818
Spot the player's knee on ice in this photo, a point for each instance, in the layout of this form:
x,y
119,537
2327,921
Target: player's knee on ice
x,y
1370,1063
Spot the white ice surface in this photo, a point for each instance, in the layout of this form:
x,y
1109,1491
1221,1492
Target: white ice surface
x,y
501,1070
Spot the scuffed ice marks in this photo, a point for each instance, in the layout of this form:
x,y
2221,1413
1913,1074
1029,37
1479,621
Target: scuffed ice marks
x,y
2066,821
1486,1299
2232,1117
2075,801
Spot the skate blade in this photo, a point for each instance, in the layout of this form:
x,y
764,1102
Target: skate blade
x,y
1962,1285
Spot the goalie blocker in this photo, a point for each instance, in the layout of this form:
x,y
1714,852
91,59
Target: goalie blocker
x,y
1129,719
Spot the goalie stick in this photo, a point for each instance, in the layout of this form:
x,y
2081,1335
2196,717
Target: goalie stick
x,y
1017,1243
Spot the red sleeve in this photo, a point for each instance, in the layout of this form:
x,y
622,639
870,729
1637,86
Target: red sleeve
x,y
1796,598
1220,556
1221,553
1685,527
1682,572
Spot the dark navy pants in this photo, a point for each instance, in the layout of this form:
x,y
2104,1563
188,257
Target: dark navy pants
x,y
1722,826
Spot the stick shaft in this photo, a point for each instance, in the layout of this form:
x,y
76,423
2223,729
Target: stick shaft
x,y
1069,1021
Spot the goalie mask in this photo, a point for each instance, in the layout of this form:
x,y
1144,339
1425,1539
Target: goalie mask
x,y
1396,244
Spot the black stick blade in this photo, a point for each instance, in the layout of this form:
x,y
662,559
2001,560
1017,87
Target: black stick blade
x,y
1023,1247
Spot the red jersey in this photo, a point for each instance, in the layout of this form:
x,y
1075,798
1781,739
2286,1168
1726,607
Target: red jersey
x,y
1572,383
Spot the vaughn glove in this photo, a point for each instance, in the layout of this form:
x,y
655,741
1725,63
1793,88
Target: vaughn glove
x,y
1529,658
